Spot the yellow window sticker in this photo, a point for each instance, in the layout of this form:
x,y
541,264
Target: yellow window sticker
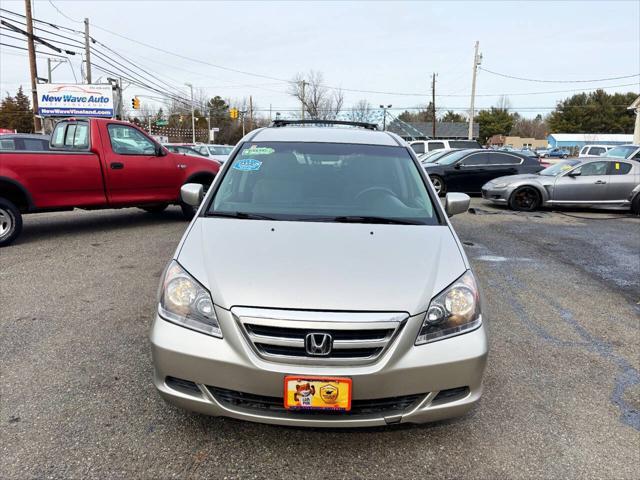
x,y
617,166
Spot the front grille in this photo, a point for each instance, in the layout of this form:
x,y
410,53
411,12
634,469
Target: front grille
x,y
356,338
249,401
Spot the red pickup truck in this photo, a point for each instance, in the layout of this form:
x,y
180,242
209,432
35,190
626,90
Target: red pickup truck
x,y
95,163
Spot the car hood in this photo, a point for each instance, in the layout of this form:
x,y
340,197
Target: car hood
x,y
321,266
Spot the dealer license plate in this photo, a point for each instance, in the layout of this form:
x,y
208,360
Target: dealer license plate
x,y
317,393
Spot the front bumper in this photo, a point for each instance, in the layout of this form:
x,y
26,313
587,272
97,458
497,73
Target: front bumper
x,y
210,365
496,195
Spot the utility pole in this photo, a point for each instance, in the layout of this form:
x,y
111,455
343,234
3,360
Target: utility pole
x,y
50,69
304,84
87,48
477,59
250,113
193,116
33,69
384,115
433,103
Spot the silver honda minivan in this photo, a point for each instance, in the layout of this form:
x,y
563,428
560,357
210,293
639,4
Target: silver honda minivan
x,y
320,284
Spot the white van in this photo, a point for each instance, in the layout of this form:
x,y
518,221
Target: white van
x,y
594,150
423,146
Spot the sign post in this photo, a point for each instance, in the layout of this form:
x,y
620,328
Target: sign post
x,y
212,133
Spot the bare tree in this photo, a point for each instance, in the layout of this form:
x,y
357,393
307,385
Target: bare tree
x,y
320,102
503,103
362,111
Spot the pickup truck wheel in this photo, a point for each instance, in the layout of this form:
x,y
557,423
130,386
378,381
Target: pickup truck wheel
x,y
156,208
10,222
525,199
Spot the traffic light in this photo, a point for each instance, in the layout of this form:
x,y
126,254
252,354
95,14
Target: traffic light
x,y
135,103
233,113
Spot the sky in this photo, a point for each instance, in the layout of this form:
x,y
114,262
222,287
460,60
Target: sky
x,y
387,47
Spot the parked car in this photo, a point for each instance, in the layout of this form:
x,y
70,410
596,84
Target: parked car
x,y
588,182
553,153
277,308
630,152
24,142
92,164
219,152
435,155
183,149
467,170
594,150
422,146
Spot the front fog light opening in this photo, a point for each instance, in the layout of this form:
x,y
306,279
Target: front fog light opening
x,y
453,311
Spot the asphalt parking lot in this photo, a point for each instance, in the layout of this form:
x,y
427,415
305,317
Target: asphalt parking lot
x,y
562,388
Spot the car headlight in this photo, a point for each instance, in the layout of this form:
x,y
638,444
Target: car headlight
x,y
453,311
499,185
183,301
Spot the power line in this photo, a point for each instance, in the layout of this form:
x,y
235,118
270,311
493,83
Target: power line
x,y
558,81
63,14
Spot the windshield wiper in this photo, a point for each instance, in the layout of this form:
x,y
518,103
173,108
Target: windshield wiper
x,y
241,215
371,219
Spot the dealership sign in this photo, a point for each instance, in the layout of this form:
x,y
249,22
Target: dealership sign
x,y
60,100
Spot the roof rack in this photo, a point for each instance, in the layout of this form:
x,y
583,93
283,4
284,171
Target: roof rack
x,y
284,123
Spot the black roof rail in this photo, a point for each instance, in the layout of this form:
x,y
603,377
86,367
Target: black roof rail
x,y
284,123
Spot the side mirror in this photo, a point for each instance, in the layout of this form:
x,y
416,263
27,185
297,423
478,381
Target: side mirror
x,y
574,174
192,194
457,166
160,152
456,203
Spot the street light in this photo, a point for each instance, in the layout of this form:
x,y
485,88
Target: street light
x,y
193,118
384,115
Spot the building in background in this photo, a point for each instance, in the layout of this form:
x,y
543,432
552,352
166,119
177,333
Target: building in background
x,y
517,142
424,130
579,140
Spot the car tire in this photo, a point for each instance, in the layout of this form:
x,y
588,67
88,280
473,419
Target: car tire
x,y
156,208
565,156
438,185
10,222
635,205
525,199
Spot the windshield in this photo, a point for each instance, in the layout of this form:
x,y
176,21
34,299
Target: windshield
x,y
558,168
324,182
623,151
219,150
452,158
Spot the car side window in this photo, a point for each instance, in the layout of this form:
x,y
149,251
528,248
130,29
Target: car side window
x,y
34,145
475,159
418,147
592,169
619,168
503,159
436,146
583,151
71,136
596,151
636,156
127,140
7,144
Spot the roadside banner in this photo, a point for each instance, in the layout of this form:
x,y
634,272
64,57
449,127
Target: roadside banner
x,y
61,100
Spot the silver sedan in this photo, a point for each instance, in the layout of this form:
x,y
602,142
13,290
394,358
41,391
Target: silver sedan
x,y
595,181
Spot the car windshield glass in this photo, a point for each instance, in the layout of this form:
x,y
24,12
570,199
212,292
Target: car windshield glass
x,y
558,168
324,182
623,151
218,150
452,158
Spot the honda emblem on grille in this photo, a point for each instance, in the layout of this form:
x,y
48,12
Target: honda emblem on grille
x,y
318,344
